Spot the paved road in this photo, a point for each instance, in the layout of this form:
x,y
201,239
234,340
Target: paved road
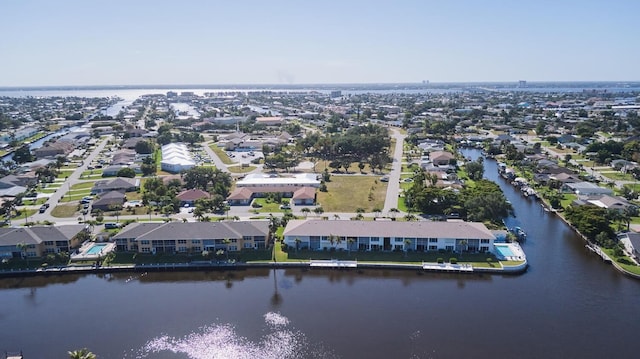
x,y
73,178
393,187
214,157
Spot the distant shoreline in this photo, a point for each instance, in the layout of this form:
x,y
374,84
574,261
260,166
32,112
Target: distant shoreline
x,y
341,86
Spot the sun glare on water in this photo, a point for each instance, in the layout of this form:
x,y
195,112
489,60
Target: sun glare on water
x,y
220,341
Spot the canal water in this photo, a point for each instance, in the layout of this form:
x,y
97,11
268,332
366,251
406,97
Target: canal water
x,y
567,305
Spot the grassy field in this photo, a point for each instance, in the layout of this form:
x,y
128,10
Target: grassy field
x,y
267,207
346,193
83,185
618,176
624,262
240,169
222,154
64,210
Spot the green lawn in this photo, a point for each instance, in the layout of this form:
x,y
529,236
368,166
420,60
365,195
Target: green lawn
x,y
30,202
618,176
624,261
347,193
241,169
485,260
64,210
267,207
83,185
567,199
222,154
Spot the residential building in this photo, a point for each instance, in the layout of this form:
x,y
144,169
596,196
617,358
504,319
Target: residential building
x,y
121,184
419,236
39,240
631,243
179,237
109,201
190,196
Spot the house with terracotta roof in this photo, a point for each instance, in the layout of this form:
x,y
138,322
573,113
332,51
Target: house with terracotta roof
x,y
190,196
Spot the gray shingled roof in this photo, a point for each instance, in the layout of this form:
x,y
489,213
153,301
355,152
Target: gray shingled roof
x,y
35,235
421,229
194,230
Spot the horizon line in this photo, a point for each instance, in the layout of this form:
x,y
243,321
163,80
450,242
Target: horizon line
x,y
328,84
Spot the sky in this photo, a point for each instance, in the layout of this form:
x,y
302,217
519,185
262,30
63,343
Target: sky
x,y
117,42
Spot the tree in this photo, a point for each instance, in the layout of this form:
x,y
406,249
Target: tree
x,y
23,251
394,212
126,172
318,210
81,354
144,147
407,242
350,242
226,242
475,169
297,241
23,155
305,211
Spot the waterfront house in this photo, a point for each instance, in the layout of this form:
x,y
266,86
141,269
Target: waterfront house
x,y
179,237
586,189
419,236
58,148
631,243
39,240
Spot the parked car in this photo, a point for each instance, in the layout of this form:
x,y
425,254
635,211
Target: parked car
x,y
111,225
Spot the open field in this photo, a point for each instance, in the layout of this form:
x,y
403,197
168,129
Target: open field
x,y
241,169
347,193
222,154
64,210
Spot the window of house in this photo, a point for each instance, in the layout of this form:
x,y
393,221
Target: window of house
x,y
195,241
146,250
484,241
433,248
433,240
144,242
182,241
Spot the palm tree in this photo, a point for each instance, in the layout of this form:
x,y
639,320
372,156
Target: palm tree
x,y
407,243
350,243
81,354
377,211
394,212
410,217
305,211
23,251
226,242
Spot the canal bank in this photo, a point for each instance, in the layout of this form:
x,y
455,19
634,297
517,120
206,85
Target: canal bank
x,y
313,264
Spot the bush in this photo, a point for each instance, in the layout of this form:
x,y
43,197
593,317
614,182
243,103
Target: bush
x,y
440,260
453,260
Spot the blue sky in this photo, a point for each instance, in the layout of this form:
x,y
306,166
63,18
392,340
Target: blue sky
x,y
280,42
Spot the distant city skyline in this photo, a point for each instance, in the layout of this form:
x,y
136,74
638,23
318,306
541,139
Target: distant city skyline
x,y
286,42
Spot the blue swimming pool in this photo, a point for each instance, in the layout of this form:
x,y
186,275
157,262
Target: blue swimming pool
x,y
95,249
505,251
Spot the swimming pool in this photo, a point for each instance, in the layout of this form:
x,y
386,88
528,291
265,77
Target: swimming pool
x,y
504,251
96,249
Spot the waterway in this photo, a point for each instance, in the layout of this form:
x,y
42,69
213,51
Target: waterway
x,y
569,304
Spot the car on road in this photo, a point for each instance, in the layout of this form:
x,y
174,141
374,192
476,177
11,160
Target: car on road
x,y
42,209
